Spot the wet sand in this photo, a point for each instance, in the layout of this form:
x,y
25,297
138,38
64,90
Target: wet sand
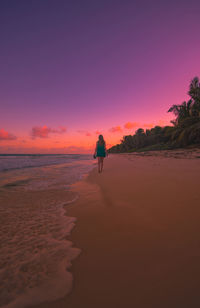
x,y
139,232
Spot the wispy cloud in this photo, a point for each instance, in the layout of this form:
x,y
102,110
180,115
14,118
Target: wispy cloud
x,y
84,132
4,135
60,130
98,132
115,129
148,125
44,131
130,125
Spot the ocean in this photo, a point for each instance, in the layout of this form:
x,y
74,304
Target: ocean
x,y
35,191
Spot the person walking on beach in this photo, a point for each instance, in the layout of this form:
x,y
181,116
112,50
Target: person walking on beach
x,y
100,152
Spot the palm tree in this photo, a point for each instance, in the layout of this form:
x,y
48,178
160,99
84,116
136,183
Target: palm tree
x,y
194,92
181,112
194,89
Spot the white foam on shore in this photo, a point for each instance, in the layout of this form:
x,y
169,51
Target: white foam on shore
x,y
35,255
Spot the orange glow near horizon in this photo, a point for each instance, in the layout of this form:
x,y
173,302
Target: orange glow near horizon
x,y
72,77
44,139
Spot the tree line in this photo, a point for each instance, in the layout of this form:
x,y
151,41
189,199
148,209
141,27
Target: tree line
x,y
185,129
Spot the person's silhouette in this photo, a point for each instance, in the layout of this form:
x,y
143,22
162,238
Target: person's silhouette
x,y
100,152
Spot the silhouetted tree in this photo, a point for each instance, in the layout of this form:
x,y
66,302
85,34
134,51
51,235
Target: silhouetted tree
x,y
185,130
181,111
194,92
139,132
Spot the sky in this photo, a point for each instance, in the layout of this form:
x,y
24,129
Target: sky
x,y
71,70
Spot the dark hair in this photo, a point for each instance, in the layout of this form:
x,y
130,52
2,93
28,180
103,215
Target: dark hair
x,y
101,141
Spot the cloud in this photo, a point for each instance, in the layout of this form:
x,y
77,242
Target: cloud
x,y
84,132
61,130
115,129
6,136
41,132
44,131
148,125
130,125
98,132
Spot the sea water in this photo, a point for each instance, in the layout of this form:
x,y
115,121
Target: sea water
x,y
35,253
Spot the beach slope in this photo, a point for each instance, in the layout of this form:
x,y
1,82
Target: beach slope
x,y
139,232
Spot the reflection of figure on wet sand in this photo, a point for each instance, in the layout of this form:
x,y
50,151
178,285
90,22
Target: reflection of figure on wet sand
x,y
100,152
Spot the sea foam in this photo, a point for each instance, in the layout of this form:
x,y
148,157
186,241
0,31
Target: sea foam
x,y
35,255
35,252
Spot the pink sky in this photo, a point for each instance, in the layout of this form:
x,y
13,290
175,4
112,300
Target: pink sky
x,y
70,72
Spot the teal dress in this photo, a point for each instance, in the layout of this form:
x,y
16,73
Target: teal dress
x,y
101,150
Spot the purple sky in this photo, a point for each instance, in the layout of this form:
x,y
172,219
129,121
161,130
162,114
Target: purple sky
x,y
94,65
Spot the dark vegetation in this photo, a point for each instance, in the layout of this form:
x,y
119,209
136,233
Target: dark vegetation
x,y
184,132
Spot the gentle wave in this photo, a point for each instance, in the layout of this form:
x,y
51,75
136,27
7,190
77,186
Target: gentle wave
x,y
14,162
36,255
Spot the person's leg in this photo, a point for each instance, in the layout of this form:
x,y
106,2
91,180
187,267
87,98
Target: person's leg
x,y
99,164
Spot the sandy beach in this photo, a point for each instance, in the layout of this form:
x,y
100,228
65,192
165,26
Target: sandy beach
x,y
80,80
138,229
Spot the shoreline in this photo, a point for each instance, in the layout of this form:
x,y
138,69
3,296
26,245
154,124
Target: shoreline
x,y
36,253
35,250
138,230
